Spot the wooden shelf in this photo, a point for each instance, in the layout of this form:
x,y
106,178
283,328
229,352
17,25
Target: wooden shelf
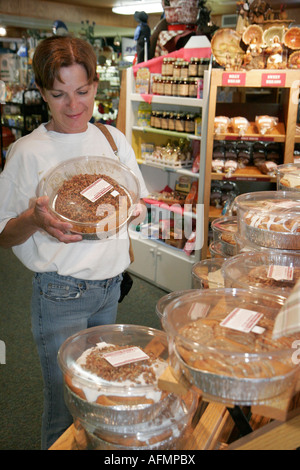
x,y
284,106
250,173
170,100
252,135
154,130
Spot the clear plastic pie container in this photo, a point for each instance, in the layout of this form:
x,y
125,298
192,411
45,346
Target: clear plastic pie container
x,y
224,230
97,195
216,250
270,218
221,341
288,177
166,299
166,431
206,274
271,272
102,393
245,246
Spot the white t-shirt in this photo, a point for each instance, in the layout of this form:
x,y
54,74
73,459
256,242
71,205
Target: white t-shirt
x,y
28,161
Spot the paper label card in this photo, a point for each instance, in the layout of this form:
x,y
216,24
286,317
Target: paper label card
x,y
241,319
281,273
125,356
96,190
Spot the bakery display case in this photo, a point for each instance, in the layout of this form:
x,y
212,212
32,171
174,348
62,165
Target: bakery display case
x,y
250,137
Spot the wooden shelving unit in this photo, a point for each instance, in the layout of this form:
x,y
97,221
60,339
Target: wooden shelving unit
x,y
284,90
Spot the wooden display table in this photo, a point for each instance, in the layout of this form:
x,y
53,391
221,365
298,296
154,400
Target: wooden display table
x,y
274,425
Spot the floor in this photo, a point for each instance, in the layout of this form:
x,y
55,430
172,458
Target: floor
x,y
21,398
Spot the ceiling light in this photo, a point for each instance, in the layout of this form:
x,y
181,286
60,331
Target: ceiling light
x,y
130,8
3,31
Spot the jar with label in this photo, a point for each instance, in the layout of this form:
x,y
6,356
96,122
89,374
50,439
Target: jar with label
x,y
180,122
193,87
152,119
184,71
160,86
189,125
183,87
168,86
164,66
177,69
193,66
165,120
170,66
154,85
171,122
175,86
157,122
203,65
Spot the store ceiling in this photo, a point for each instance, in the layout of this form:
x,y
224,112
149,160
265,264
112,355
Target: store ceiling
x,y
117,24
217,7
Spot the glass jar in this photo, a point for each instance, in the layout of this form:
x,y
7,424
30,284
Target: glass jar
x,y
189,124
171,122
183,87
160,86
193,87
184,71
177,69
170,66
152,118
157,122
154,85
168,86
165,120
164,66
180,122
193,66
175,86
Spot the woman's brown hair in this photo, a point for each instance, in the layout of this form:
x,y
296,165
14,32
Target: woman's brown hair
x,y
62,51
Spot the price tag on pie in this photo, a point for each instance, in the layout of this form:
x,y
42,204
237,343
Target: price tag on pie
x,y
241,319
96,190
125,356
281,273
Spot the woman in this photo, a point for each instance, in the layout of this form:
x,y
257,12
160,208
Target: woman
x,y
76,283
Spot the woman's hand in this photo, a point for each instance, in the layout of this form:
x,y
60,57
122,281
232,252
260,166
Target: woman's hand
x,y
44,220
139,213
19,229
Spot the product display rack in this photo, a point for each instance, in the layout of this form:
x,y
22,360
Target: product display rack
x,y
156,261
20,114
286,83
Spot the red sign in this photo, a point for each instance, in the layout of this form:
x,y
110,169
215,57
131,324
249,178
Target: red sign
x,y
273,79
234,79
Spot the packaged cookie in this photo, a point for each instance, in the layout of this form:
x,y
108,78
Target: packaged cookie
x,y
288,177
265,124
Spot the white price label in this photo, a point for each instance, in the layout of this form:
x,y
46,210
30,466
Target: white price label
x,y
125,356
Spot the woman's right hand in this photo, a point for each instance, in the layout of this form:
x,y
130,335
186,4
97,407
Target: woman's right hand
x,y
44,220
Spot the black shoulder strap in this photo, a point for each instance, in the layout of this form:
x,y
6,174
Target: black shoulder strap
x,y
109,137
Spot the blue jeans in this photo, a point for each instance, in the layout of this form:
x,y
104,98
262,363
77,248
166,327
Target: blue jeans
x,y
61,307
